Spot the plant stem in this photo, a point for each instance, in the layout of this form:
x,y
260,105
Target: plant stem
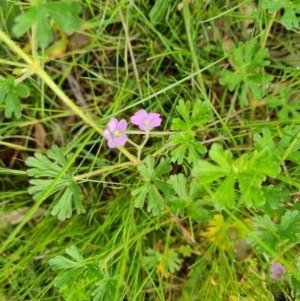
x,y
267,30
47,79
17,64
102,170
187,23
23,77
13,46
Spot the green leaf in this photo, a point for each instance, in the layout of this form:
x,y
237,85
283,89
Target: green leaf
x,y
168,260
173,263
207,172
152,259
267,235
61,262
272,235
185,144
221,157
250,187
250,174
42,167
196,211
66,281
106,288
284,108
291,8
154,189
275,197
158,11
10,94
247,57
64,13
264,140
224,196
290,225
265,162
8,11
296,285
187,199
199,116
178,183
185,250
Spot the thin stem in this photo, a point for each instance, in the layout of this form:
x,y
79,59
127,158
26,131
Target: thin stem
x,y
12,45
23,77
134,144
135,70
290,147
102,170
267,30
17,64
47,79
152,133
187,23
43,75
34,44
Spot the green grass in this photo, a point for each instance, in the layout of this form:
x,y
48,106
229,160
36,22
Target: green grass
x,y
126,62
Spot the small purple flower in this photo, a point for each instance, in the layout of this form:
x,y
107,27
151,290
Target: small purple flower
x,y
115,133
277,271
146,121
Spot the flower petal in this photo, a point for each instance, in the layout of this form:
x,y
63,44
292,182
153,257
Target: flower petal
x,y
107,134
121,140
139,117
112,143
113,124
154,119
122,126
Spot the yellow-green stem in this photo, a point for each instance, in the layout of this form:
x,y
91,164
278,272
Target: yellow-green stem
x,y
102,170
47,79
267,30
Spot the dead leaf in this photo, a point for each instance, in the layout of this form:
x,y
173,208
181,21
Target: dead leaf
x,y
78,40
40,135
16,216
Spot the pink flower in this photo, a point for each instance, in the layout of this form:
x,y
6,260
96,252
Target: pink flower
x,y
115,133
146,121
277,271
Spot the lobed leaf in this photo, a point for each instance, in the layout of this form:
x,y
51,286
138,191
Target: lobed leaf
x,y
65,14
42,167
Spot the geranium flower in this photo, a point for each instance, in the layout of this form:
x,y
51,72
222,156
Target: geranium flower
x,y
146,121
277,271
115,133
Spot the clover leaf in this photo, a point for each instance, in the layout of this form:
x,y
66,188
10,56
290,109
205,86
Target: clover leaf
x,y
154,189
247,58
42,167
10,93
64,13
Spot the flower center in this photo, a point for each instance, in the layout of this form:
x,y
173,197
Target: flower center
x,y
118,134
146,123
